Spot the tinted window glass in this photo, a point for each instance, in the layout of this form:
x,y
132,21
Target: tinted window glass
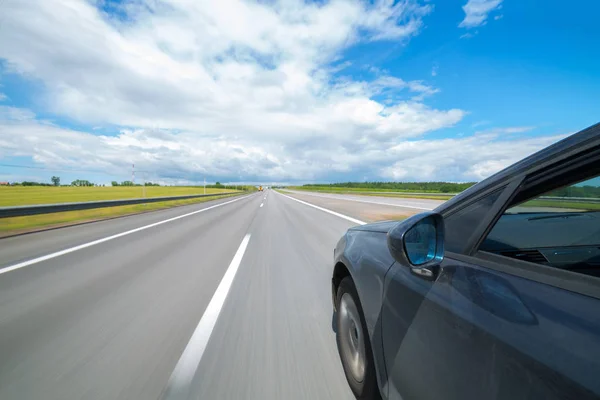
x,y
463,223
560,228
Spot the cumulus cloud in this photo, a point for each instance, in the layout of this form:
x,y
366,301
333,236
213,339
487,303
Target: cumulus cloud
x,y
472,158
476,12
185,64
186,157
506,130
195,89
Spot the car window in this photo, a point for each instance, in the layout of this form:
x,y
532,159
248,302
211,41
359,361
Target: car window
x,y
560,228
461,224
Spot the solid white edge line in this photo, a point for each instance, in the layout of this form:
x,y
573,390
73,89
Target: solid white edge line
x,y
185,369
106,239
356,221
367,201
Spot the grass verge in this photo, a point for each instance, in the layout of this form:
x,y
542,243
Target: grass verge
x,y
17,225
575,205
28,195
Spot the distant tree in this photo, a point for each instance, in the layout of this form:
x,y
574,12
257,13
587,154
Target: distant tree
x,y
447,188
29,183
81,182
56,180
115,183
126,183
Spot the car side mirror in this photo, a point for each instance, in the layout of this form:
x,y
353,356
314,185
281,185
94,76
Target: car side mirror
x,y
418,243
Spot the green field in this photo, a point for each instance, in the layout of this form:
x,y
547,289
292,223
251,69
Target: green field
x,y
16,225
26,195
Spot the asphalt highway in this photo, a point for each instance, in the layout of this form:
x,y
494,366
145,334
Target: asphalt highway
x,y
228,299
368,208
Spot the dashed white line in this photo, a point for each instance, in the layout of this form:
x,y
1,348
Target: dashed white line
x,y
261,204
179,384
337,214
106,239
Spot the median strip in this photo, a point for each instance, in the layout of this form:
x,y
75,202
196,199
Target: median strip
x,y
34,223
19,211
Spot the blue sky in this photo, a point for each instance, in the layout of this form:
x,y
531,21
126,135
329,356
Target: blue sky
x,y
290,91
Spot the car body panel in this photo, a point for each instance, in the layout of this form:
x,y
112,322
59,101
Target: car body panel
x,y
381,226
364,253
367,258
477,333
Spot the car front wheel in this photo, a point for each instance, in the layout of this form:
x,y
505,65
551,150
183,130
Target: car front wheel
x,y
353,342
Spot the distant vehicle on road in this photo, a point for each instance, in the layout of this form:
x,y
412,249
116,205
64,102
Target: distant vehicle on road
x,y
493,295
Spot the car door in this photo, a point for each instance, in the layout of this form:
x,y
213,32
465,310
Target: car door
x,y
496,324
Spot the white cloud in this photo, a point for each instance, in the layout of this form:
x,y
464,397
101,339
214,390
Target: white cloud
x,y
15,114
476,12
480,123
181,65
471,158
187,157
197,89
434,70
3,97
507,130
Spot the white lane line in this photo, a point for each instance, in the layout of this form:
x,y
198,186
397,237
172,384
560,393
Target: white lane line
x,y
337,214
106,239
261,204
367,201
183,374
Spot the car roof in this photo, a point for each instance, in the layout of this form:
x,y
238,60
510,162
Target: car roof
x,y
565,148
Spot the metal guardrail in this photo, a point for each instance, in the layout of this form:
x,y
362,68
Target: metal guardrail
x,y
20,211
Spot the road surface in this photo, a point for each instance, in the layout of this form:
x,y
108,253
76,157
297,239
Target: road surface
x,y
228,299
368,208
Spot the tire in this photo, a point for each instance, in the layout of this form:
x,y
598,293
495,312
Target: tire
x,y
353,343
